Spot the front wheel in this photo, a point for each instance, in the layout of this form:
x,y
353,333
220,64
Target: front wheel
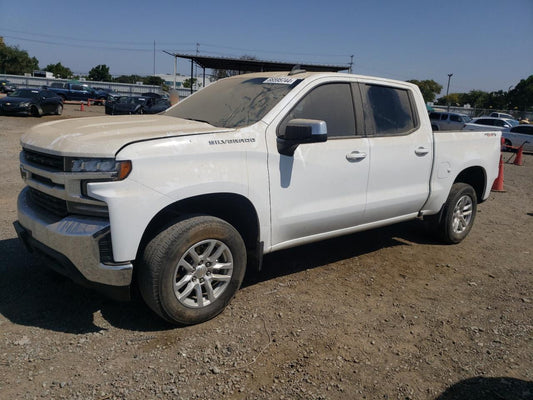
x,y
191,270
59,109
457,216
34,111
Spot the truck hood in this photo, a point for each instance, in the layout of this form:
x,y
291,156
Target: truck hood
x,y
105,136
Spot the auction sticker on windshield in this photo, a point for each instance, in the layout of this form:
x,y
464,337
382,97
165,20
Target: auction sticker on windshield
x,y
281,80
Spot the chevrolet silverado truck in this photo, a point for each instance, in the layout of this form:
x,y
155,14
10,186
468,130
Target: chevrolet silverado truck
x,y
179,204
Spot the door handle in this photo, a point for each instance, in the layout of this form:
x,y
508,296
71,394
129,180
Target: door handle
x,y
355,156
421,151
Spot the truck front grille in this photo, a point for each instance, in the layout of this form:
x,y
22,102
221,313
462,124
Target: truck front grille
x,y
49,161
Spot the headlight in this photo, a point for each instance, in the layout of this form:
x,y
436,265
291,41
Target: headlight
x,y
26,104
109,167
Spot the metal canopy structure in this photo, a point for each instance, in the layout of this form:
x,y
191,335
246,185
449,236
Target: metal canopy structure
x,y
243,65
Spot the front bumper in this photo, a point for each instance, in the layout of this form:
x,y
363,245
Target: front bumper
x,y
15,109
73,246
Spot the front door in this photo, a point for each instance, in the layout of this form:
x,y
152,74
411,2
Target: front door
x,y
322,188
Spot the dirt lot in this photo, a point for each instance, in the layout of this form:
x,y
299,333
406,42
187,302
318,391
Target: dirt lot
x,y
387,314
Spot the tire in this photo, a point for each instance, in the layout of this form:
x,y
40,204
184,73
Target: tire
x,y
177,278
34,111
507,145
457,216
59,109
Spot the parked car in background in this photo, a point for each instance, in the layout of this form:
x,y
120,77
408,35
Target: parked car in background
x,y
34,102
518,136
501,115
136,105
490,123
6,86
445,121
104,93
76,91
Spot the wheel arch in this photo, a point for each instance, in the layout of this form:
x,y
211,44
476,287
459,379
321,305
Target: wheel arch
x,y
475,177
233,208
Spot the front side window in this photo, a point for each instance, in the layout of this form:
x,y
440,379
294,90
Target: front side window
x,y
388,110
331,103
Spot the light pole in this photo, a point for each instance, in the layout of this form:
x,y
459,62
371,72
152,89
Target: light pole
x,y
447,90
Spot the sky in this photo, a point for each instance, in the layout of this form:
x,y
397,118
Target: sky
x,y
486,44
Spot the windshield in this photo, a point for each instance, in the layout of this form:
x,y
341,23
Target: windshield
x,y
25,93
235,102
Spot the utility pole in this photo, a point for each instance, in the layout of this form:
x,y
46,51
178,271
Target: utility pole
x,y
448,90
154,57
351,64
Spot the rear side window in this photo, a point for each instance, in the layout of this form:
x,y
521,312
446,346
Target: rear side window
x,y
331,103
455,118
388,110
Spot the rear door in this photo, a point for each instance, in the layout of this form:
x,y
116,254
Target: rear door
x,y
401,153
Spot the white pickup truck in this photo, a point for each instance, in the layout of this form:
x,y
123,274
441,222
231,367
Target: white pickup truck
x,y
181,203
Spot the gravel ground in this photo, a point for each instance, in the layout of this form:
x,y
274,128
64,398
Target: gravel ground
x,y
385,314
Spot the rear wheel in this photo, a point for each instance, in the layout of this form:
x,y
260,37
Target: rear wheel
x,y
456,218
190,271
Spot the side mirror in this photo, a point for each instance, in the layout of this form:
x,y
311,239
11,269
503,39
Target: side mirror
x,y
300,131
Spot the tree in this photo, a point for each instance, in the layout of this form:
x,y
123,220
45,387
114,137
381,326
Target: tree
x,y
153,80
521,97
100,73
187,82
15,61
59,70
453,99
128,79
428,87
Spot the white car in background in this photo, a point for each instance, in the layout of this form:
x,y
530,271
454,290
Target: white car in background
x,y
501,115
518,136
490,124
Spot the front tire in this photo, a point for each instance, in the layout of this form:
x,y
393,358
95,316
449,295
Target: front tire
x,y
191,270
34,111
456,218
59,109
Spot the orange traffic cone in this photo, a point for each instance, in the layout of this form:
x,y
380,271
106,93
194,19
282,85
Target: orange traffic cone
x,y
518,159
498,183
81,107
